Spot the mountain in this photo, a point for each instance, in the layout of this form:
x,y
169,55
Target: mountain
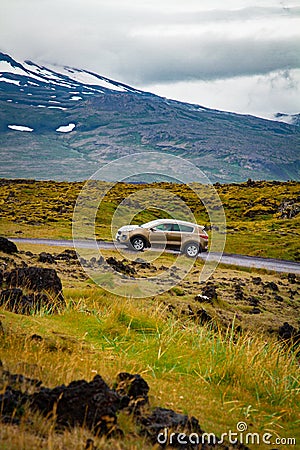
x,y
62,123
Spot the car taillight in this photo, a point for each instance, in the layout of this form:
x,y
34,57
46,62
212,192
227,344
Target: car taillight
x,y
203,236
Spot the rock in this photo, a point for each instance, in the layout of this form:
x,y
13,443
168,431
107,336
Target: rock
x,y
119,266
256,280
255,311
142,263
36,338
100,261
253,301
92,404
289,334
203,316
7,246
292,278
16,301
292,293
133,386
36,279
238,292
42,286
46,258
202,298
67,255
161,419
271,285
13,300
210,291
89,445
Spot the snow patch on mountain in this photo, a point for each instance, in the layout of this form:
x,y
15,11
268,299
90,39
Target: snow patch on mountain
x,y
19,128
291,119
66,128
86,77
7,80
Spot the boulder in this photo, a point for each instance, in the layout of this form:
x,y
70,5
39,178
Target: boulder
x,y
16,301
92,404
45,257
36,279
7,246
134,387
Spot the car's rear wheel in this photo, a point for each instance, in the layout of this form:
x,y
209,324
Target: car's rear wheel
x,y
138,243
191,249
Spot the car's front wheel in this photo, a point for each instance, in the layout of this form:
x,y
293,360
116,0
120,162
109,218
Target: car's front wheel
x,y
138,243
191,249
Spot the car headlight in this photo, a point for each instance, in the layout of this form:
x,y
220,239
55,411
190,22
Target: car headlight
x,y
124,237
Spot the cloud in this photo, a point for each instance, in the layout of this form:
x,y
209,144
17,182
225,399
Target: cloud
x,y
259,95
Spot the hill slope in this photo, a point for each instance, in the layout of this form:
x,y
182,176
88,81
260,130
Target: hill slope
x,y
63,123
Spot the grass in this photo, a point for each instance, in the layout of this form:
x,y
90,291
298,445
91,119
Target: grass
x,y
232,370
261,217
233,376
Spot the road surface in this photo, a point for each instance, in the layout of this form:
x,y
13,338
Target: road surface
x,y
278,265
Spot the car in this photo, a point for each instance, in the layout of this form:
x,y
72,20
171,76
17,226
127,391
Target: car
x,y
189,237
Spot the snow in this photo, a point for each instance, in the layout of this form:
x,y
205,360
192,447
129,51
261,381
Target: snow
x,y
84,77
53,76
8,68
57,107
66,128
284,118
19,128
7,80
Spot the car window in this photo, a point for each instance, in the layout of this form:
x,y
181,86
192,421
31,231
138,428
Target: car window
x,y
164,227
175,227
186,229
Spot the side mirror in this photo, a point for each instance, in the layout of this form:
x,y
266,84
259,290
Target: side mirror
x,y
152,229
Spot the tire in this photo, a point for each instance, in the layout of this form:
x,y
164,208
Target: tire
x,y
138,243
192,249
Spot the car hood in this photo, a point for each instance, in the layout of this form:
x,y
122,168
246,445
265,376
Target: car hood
x,y
128,227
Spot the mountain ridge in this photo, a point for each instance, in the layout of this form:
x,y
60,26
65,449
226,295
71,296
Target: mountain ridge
x,y
63,123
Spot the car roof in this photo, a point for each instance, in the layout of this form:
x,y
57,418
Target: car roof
x,y
181,222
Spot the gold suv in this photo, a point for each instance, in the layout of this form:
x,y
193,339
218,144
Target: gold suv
x,y
189,237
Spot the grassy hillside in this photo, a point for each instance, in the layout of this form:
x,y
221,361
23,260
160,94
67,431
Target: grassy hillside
x,y
262,217
227,368
219,351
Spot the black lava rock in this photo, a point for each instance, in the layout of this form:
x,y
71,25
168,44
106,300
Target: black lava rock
x,y
7,246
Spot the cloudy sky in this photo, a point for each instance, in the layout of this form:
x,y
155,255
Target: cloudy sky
x,y
237,55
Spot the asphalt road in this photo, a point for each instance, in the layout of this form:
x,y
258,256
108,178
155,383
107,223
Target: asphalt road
x,y
278,265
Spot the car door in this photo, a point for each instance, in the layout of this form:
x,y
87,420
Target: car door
x,y
158,235
174,236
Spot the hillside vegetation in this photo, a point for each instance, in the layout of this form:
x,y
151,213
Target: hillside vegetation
x,y
262,217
